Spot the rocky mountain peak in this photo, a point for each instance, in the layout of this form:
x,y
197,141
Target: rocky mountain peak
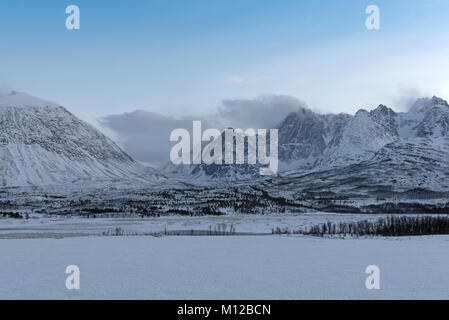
x,y
438,101
424,104
384,110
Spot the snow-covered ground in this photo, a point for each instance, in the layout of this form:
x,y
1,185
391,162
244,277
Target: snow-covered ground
x,y
35,253
248,267
60,227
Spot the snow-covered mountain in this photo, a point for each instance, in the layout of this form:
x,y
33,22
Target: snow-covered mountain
x,y
41,143
304,136
373,161
368,132
399,166
411,146
363,134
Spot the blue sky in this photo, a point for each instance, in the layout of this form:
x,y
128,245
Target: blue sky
x,y
184,57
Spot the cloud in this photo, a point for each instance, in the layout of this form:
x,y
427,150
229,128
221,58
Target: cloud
x,y
145,135
406,98
264,112
238,79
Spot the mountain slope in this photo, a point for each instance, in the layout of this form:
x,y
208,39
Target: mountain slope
x,y
399,166
365,133
42,143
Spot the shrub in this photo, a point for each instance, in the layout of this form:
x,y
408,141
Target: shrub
x,y
388,226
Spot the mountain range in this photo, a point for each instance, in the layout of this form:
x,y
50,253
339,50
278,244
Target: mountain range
x,y
401,150
375,154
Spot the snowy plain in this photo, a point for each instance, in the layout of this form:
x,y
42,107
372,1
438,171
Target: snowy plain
x,y
218,267
60,227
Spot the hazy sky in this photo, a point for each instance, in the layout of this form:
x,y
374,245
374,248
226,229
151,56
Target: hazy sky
x,y
185,56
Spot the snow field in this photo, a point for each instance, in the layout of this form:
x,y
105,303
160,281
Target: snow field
x,y
250,267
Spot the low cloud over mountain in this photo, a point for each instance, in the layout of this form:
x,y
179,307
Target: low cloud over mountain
x,y
145,135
